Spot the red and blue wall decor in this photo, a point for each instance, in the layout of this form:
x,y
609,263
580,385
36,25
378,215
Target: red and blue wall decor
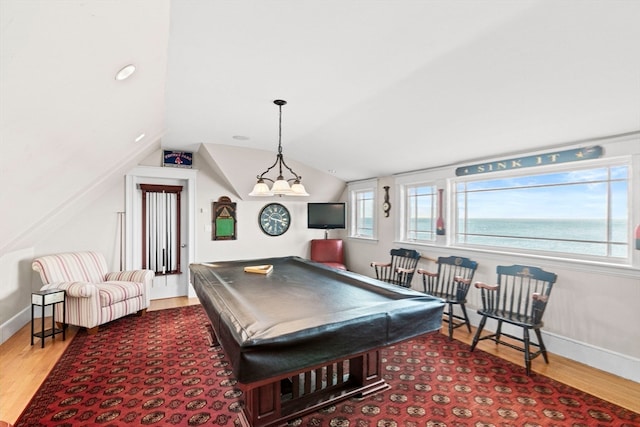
x,y
177,159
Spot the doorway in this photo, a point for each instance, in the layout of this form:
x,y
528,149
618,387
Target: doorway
x,y
164,285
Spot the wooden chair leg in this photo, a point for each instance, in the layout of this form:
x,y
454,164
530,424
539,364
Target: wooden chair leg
x,y
476,337
142,312
466,318
93,331
450,319
543,349
527,350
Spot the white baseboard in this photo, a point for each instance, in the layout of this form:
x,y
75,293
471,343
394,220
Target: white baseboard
x,y
13,325
605,360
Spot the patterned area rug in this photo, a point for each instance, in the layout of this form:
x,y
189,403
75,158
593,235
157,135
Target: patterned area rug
x,y
159,370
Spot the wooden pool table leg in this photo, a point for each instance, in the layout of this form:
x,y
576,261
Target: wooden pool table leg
x,y
211,336
264,405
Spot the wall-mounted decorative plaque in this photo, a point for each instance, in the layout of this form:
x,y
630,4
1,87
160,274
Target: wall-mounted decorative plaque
x,y
535,160
177,159
224,219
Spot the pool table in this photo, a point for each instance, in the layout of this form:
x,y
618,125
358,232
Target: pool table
x,y
306,335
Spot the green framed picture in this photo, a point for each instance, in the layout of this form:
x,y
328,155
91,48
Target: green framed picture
x,y
224,219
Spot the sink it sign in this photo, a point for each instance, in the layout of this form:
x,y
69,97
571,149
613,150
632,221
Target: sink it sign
x,y
531,161
177,159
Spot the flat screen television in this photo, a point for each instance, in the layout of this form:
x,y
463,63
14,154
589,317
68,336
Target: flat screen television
x,y
327,216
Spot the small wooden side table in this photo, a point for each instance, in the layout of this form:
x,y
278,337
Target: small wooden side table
x,y
44,298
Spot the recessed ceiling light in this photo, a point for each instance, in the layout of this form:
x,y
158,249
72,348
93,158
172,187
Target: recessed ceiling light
x,y
240,137
125,72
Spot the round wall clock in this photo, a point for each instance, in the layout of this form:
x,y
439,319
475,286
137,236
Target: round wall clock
x,y
274,219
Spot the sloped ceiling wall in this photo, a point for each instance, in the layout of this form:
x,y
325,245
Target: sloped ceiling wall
x,y
67,125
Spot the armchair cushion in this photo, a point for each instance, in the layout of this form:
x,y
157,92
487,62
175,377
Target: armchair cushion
x,y
113,292
130,276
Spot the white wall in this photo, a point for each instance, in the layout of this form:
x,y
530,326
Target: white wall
x,y
15,291
93,226
593,312
251,242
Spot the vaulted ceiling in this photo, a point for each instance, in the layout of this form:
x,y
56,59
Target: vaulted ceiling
x,y
381,87
373,87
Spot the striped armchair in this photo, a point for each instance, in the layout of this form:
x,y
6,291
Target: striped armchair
x,y
94,296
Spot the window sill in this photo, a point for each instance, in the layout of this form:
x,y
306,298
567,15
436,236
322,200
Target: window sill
x,y
364,239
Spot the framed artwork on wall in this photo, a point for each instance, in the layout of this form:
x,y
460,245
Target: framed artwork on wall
x,y
177,159
224,219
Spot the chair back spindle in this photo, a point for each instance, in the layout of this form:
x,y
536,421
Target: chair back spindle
x,y
453,278
400,269
517,284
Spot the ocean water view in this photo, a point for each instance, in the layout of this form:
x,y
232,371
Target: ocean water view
x,y
575,236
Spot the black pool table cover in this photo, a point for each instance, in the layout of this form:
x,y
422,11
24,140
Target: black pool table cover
x,y
303,314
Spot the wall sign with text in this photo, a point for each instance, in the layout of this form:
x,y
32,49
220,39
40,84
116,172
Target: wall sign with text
x,y
177,159
532,161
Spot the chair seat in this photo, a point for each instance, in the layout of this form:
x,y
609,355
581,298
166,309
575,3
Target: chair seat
x,y
116,291
447,298
511,317
400,283
337,265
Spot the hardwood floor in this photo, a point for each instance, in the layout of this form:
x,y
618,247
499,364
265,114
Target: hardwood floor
x,y
23,368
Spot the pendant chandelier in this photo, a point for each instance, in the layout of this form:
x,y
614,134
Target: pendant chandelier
x,y
281,185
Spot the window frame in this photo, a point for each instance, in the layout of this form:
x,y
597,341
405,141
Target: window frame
x,y
405,218
453,209
356,188
432,178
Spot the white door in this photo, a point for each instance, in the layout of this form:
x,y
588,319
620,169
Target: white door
x,y
164,285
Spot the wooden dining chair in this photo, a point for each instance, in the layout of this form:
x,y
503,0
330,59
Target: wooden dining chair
x,y
400,269
519,298
451,282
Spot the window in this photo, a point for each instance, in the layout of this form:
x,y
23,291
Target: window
x,y
362,198
420,210
574,211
